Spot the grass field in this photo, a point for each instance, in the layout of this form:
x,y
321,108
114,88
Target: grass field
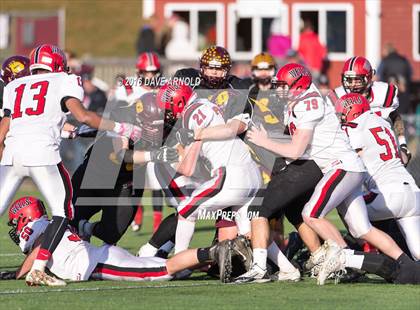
x,y
198,292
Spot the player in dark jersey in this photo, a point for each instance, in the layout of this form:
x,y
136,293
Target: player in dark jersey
x,y
12,68
112,180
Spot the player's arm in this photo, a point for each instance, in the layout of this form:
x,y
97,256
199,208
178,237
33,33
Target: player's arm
x,y
29,259
294,150
190,157
399,130
230,130
4,128
95,121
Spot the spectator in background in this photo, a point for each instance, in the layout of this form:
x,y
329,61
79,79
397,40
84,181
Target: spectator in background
x,y
292,56
311,50
395,68
166,33
95,98
278,44
324,85
146,37
180,46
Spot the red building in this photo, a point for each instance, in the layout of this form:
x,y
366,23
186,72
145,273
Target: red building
x,y
347,28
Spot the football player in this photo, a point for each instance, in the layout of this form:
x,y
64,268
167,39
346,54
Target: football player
x,y
78,260
357,77
34,113
147,79
393,191
316,134
12,68
105,174
234,175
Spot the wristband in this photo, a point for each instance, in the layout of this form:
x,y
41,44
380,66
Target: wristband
x,y
402,140
147,156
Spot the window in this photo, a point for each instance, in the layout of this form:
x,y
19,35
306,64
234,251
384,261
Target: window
x,y
249,25
416,32
205,20
332,22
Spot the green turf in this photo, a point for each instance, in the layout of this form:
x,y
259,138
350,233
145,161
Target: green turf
x,y
198,292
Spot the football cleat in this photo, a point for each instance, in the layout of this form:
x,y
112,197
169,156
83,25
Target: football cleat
x,y
334,263
293,276
315,261
40,278
241,246
221,253
255,275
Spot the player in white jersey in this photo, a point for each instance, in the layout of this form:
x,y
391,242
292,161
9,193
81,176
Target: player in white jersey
x,y
356,77
78,260
34,109
316,133
394,193
147,79
235,178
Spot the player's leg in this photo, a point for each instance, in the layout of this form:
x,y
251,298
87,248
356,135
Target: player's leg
x,y
355,215
331,191
115,219
11,178
157,202
118,264
410,227
164,234
188,209
55,185
284,188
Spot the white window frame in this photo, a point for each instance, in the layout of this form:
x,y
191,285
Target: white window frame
x,y
416,22
256,30
194,8
322,9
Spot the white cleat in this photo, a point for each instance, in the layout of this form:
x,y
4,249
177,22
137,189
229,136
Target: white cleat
x,y
147,250
293,276
255,275
40,278
316,259
334,263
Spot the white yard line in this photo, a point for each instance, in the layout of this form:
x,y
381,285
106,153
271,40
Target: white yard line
x,y
11,254
97,289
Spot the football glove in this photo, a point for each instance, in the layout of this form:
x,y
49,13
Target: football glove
x,y
164,155
405,154
128,130
185,136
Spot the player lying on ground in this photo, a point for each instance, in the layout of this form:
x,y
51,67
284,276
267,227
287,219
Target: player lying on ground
x,y
78,260
34,114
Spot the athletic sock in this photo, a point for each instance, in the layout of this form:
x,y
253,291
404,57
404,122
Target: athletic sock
x,y
276,255
260,257
138,218
167,247
157,219
184,233
352,260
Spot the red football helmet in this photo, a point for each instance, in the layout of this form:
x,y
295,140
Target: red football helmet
x,y
173,97
357,75
23,211
150,117
215,57
291,81
351,106
48,57
148,62
14,67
